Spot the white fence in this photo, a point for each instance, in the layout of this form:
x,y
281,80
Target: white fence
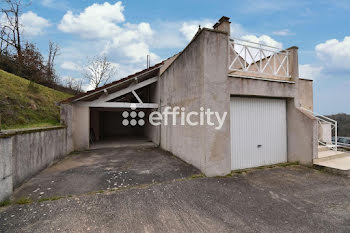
x,y
327,131
257,58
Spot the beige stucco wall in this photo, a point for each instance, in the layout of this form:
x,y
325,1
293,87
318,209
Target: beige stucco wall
x,y
301,132
66,111
302,135
256,87
301,128
199,78
77,120
325,132
182,85
153,132
305,93
80,127
196,79
217,142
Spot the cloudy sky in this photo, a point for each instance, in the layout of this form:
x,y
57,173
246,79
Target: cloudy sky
x,y
126,31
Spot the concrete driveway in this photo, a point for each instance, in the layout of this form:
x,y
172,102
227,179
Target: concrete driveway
x,y
105,169
280,199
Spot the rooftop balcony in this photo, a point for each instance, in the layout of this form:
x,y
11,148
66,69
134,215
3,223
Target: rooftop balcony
x,y
258,60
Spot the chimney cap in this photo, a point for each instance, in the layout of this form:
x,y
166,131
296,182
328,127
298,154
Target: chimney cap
x,y
223,19
293,47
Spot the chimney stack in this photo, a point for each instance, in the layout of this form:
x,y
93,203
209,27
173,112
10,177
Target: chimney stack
x,y
148,61
223,25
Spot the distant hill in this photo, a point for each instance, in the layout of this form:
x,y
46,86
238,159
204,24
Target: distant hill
x,y
343,123
25,104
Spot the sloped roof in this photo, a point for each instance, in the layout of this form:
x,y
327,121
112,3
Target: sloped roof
x,y
161,67
112,84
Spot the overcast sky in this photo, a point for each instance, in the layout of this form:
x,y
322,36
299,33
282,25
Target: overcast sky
x,y
126,31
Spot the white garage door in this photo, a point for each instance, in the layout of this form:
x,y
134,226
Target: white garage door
x,y
258,132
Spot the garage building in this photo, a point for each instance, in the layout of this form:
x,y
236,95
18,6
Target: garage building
x,y
258,86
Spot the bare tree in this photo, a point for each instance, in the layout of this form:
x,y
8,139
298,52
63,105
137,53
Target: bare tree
x,y
99,71
53,52
74,84
3,44
78,86
11,27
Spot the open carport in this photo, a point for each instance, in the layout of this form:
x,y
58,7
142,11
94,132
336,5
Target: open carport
x,y
114,114
115,127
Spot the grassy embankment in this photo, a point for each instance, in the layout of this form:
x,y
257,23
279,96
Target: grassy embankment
x,y
24,104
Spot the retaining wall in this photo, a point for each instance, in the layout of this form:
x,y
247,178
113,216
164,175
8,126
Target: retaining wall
x,y
23,153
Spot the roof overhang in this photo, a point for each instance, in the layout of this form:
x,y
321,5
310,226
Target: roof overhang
x,y
116,86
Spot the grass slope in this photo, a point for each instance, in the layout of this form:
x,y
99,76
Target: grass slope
x,y
24,104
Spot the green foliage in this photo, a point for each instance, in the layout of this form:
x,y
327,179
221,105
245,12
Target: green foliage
x,y
24,104
23,201
50,199
33,87
5,203
343,124
197,176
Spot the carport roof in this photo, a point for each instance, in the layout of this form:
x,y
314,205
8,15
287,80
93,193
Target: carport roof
x,y
81,96
153,69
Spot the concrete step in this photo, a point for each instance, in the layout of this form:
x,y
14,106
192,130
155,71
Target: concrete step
x,y
322,148
339,165
329,154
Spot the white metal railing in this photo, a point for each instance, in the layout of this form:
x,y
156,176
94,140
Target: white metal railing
x,y
258,58
321,119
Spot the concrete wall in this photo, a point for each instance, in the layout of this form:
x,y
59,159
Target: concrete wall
x,y
151,132
80,127
302,135
66,119
197,78
325,132
77,120
34,151
305,94
256,87
301,128
182,85
25,153
217,142
6,180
